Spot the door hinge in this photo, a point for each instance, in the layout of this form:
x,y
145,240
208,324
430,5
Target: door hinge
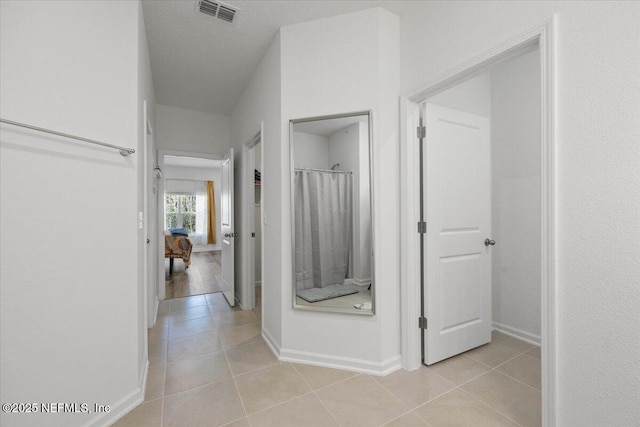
x,y
422,227
422,132
422,322
253,234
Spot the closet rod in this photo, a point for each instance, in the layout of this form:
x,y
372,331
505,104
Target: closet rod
x,y
124,151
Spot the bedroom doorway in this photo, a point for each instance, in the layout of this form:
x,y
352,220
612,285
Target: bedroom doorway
x,y
189,224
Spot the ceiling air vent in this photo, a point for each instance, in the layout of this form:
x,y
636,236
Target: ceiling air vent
x,y
218,9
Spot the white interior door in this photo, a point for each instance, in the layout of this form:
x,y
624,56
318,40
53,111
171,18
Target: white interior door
x,y
160,259
151,227
228,233
457,207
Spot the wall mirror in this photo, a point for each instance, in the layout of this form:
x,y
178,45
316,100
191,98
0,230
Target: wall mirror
x,y
332,233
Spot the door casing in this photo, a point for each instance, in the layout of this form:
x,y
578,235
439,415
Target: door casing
x,y
160,212
248,261
228,231
542,37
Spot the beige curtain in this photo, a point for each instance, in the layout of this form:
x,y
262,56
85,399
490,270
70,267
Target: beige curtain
x,y
211,214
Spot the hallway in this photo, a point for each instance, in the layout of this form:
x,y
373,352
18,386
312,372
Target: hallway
x,y
210,366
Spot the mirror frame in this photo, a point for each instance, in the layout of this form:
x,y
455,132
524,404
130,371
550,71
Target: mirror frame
x,y
296,306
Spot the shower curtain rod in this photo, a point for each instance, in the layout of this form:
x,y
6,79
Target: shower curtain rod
x,y
322,170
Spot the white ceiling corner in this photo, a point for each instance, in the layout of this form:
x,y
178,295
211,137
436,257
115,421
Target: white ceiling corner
x,y
201,63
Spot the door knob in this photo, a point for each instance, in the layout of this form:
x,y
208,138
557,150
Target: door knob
x,y
488,242
226,234
235,234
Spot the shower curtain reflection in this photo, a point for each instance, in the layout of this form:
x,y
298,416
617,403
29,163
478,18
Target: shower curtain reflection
x,y
323,212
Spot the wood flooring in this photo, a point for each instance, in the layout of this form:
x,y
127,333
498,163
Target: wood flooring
x,y
203,276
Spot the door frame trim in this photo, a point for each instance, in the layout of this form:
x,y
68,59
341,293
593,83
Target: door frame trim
x,y
160,210
150,299
541,36
248,261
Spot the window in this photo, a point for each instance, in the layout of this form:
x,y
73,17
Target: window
x,y
185,204
180,211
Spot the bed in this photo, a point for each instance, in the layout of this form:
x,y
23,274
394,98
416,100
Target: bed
x,y
176,246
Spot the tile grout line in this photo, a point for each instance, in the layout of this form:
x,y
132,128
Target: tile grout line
x,y
509,376
500,372
490,407
428,401
388,392
235,384
478,376
190,358
318,397
418,415
508,360
424,403
280,404
521,382
402,415
459,387
164,382
257,369
357,374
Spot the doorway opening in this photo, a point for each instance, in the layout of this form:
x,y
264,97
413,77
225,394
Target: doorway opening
x,y
250,291
481,194
189,203
485,222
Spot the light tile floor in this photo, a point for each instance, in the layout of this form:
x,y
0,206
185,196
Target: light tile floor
x,y
209,366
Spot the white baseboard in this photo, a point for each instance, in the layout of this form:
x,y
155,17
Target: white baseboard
x,y
142,381
156,307
345,363
238,302
123,406
330,361
517,333
274,346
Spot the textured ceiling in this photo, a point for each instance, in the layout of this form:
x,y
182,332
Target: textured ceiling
x,y
202,63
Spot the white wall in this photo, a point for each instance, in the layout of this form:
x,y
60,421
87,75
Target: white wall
x,y
260,103
310,151
515,182
70,298
598,179
193,131
472,96
335,65
201,174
